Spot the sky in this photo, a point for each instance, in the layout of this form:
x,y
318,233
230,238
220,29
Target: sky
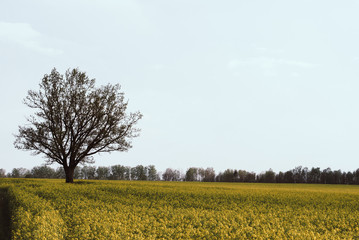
x,y
233,84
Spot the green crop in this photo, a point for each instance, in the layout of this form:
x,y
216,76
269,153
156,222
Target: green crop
x,y
51,209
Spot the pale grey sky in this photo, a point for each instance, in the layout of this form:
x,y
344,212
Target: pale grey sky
x,y
226,84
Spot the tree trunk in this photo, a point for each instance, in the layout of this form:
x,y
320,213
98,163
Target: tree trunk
x,y
69,172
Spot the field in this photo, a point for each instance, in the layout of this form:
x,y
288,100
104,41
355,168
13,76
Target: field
x,y
51,209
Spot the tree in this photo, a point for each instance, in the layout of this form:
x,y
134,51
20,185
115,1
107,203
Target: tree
x,y
74,120
250,177
314,175
228,175
88,172
171,175
19,172
356,176
201,173
191,174
235,176
242,175
139,173
103,173
279,178
297,174
327,176
43,172
152,173
119,172
60,172
209,175
2,173
337,174
288,177
350,178
267,177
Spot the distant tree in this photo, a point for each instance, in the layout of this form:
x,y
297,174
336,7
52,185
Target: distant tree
x,y
209,175
269,176
103,173
88,172
218,177
242,175
2,173
279,178
300,174
289,177
78,173
201,174
19,172
314,175
139,173
127,175
177,175
74,120
327,177
191,174
343,178
350,178
337,175
152,173
228,175
356,176
235,176
59,172
167,175
171,175
119,172
43,172
250,177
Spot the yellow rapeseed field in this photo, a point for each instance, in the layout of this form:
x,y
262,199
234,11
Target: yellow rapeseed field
x,y
51,209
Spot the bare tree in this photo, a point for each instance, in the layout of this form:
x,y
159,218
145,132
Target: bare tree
x,y
74,120
2,173
209,175
171,175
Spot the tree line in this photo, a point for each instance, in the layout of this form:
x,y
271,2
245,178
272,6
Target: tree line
x,y
150,173
116,172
